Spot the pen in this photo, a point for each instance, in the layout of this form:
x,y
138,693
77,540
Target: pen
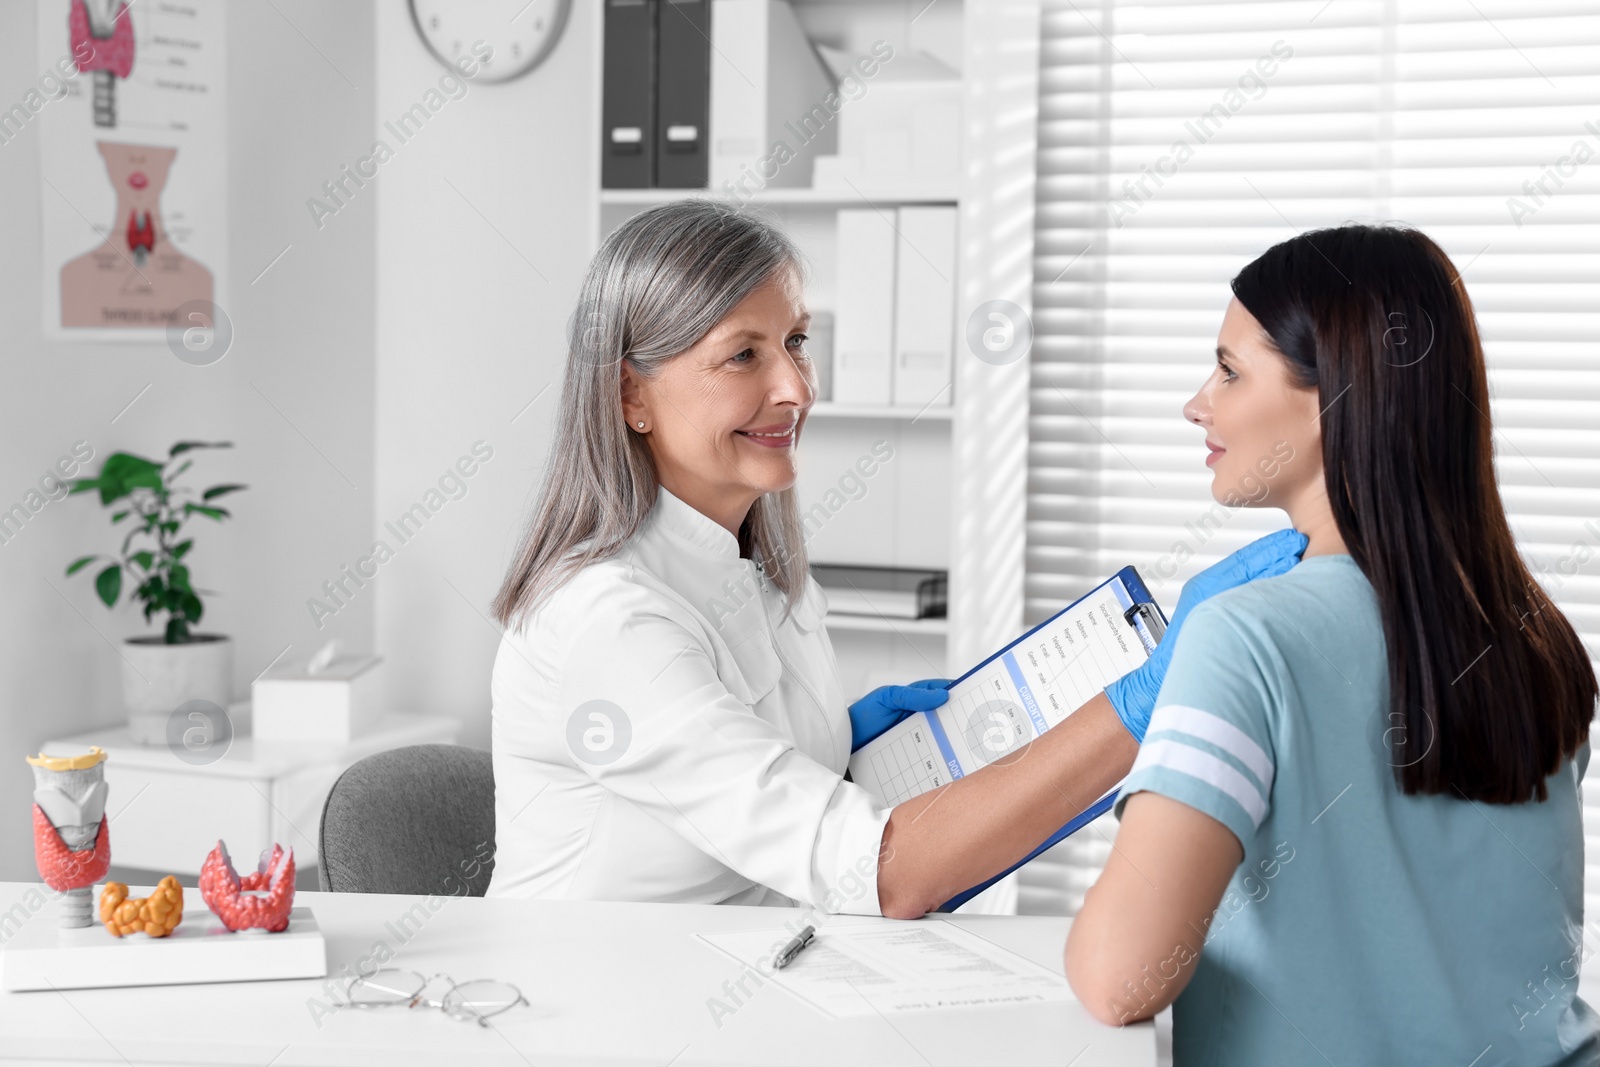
x,y
792,949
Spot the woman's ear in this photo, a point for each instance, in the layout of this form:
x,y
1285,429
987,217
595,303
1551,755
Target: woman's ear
x,y
633,403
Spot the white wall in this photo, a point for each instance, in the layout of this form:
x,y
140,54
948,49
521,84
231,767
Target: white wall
x,y
486,222
303,340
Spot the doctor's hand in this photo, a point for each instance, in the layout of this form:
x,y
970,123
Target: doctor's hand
x,y
1134,694
888,704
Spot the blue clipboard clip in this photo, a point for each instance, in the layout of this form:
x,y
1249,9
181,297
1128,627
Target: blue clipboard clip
x,y
1152,619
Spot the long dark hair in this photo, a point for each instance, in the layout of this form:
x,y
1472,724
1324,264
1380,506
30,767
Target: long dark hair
x,y
1489,685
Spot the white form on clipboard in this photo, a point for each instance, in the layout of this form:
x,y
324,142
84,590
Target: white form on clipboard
x,y
1018,693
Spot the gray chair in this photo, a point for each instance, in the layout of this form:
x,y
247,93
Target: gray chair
x,y
417,820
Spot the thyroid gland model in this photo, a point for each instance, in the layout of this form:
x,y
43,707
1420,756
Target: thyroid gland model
x,y
136,277
71,841
260,900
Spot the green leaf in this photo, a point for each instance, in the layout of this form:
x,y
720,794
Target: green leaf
x,y
218,490
80,563
144,559
124,472
178,577
192,609
185,465
200,509
119,516
184,446
171,526
181,549
108,583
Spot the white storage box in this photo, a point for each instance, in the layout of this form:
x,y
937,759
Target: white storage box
x,y
335,704
902,131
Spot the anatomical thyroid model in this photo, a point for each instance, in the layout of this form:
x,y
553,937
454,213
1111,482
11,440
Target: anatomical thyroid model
x,y
71,841
260,900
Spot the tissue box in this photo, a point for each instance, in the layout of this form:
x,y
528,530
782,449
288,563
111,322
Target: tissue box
x,y
335,704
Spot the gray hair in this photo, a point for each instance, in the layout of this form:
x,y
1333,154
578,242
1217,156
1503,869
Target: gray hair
x,y
659,283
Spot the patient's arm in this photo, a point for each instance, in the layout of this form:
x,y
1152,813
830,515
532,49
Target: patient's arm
x,y
949,839
1135,943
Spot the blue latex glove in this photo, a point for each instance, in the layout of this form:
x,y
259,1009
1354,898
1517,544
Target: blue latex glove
x,y
888,704
1134,694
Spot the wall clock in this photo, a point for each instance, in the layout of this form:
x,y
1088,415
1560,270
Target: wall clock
x,y
520,32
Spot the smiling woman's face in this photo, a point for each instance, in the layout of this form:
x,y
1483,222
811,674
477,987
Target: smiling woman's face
x,y
1262,431
723,418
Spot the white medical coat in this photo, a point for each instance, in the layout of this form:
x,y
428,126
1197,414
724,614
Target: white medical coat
x,y
661,732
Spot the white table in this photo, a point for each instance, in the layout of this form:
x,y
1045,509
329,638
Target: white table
x,y
257,793
607,983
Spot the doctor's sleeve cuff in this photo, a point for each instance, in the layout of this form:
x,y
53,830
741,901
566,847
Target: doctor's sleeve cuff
x,y
846,867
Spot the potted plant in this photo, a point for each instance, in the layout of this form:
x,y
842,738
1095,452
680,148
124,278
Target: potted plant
x,y
160,672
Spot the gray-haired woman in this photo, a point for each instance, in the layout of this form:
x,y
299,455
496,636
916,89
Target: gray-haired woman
x,y
668,723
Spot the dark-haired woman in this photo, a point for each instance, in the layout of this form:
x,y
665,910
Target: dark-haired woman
x,y
1352,833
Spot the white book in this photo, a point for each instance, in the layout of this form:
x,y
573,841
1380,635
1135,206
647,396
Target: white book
x,y
924,328
864,315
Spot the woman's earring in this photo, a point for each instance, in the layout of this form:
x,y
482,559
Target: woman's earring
x,y
641,426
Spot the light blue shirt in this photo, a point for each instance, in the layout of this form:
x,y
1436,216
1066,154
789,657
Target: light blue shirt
x,y
1364,926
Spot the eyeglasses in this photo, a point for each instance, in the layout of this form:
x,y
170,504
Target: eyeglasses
x,y
478,1000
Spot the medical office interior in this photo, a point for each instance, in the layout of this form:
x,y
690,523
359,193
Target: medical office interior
x,y
309,449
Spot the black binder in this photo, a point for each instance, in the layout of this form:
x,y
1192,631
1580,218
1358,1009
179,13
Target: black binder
x,y
628,128
683,94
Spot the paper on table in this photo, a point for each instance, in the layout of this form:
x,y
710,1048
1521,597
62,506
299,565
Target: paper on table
x,y
880,967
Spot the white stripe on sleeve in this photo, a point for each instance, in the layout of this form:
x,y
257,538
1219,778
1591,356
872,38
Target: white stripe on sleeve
x,y
1197,722
1212,770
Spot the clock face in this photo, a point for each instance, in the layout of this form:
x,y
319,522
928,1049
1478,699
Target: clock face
x,y
519,32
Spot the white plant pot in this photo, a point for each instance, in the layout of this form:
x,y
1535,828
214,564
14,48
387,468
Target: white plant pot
x,y
158,678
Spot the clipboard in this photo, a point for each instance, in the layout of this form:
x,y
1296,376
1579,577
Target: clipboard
x,y
1015,695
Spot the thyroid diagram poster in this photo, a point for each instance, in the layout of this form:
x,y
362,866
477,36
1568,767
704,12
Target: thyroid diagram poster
x,y
133,164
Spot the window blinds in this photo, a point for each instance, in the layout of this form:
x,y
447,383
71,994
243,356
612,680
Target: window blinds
x,y
1178,140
